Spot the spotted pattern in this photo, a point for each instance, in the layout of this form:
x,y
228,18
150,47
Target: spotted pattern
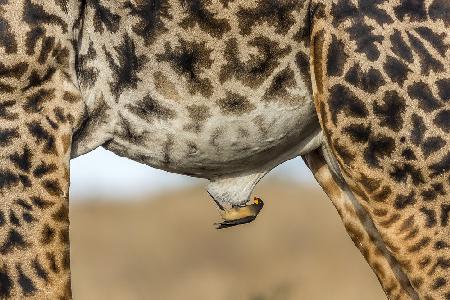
x,y
381,77
78,74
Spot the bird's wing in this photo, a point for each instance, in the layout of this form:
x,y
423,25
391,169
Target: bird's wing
x,y
231,223
217,202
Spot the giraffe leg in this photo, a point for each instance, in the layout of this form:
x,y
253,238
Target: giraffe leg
x,y
373,103
35,143
360,227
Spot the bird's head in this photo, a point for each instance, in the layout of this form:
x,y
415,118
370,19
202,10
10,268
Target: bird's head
x,y
257,201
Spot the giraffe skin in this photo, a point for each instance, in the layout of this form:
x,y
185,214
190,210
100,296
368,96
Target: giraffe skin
x,y
222,89
381,86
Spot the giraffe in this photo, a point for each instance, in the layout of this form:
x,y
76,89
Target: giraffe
x,y
226,90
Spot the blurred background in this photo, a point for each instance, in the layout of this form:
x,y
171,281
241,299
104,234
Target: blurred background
x,y
142,233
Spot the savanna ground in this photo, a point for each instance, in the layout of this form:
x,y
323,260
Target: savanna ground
x,y
166,248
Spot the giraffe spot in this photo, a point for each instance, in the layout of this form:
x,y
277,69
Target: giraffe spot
x,y
396,70
199,14
408,154
52,187
432,145
427,61
14,240
41,203
445,212
369,184
150,109
2,218
7,38
166,87
25,180
343,153
418,129
414,9
103,18
377,148
343,10
420,245
336,57
369,81
425,261
358,133
382,195
35,15
47,234
388,223
42,135
28,218
255,70
14,71
62,214
342,99
405,171
390,113
437,41
402,201
52,262
366,40
303,64
407,224
442,120
4,109
276,13
438,283
36,80
278,89
189,59
64,236
22,160
25,283
47,46
423,94
235,104
39,270
150,14
443,86
44,169
400,48
6,283
8,179
439,245
440,10
7,136
198,114
126,67
430,217
13,220
441,167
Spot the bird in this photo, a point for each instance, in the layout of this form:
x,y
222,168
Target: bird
x,y
238,215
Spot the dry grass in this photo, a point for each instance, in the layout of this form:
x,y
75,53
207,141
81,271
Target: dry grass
x,y
168,249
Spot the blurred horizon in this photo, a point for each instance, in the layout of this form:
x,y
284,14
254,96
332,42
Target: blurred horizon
x,y
104,175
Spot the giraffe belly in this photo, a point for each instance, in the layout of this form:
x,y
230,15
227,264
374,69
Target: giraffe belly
x,y
220,146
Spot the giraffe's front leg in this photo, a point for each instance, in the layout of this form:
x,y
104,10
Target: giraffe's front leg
x,y
36,128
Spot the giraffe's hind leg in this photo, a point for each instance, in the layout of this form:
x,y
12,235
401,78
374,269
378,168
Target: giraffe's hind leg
x,y
360,227
380,73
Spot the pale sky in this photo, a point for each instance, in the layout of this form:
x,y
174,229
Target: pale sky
x,y
101,173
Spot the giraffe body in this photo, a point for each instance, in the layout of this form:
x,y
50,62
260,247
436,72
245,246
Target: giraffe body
x,y
222,89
